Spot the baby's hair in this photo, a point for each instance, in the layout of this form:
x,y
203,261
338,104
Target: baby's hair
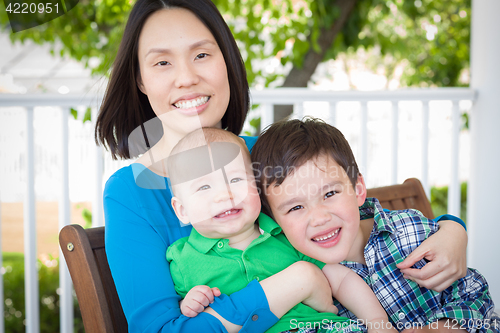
x,y
204,136
193,157
287,145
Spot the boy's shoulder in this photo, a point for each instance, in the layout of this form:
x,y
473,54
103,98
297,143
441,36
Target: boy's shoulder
x,y
394,220
405,229
409,217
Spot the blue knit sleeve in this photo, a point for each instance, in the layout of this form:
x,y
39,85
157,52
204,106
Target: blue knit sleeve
x,y
451,218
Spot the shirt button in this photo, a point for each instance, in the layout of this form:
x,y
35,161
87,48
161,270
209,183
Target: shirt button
x,y
220,245
401,315
246,257
256,278
255,317
375,277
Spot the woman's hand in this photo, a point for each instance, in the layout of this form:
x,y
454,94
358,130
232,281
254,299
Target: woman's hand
x,y
197,299
446,252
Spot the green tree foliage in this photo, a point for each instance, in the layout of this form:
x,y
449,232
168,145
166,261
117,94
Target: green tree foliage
x,y
14,302
439,200
430,36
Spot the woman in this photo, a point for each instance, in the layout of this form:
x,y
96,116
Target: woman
x,y
178,62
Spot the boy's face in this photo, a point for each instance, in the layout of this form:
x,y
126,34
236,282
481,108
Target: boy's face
x,y
318,209
218,208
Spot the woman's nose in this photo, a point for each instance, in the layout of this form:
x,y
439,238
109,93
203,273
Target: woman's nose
x,y
186,75
320,215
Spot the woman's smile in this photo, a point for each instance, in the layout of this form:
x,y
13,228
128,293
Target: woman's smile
x,y
193,103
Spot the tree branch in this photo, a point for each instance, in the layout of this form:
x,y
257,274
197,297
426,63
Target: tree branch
x,y
298,77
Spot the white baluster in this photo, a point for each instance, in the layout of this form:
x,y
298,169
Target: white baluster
x,y
30,246
454,187
425,148
363,139
65,284
395,141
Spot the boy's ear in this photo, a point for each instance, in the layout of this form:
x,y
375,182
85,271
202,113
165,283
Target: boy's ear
x,y
360,190
179,210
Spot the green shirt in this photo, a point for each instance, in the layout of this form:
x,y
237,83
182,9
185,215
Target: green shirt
x,y
197,260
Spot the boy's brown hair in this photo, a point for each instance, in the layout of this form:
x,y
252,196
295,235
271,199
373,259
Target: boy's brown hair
x,y
289,144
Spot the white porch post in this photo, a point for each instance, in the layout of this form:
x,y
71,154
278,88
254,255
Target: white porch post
x,y
484,183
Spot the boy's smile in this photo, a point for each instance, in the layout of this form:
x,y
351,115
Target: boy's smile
x,y
318,210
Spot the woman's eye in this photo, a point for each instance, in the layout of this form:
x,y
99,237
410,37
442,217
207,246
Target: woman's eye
x,y
330,194
295,208
202,55
204,187
162,63
235,180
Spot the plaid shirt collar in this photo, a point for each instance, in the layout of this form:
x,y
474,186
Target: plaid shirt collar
x,y
382,223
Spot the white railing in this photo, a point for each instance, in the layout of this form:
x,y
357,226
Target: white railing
x,y
266,99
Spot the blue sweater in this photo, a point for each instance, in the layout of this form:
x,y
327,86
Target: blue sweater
x,y
140,225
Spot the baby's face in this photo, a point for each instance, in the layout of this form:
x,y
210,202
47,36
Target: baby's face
x,y
221,204
317,208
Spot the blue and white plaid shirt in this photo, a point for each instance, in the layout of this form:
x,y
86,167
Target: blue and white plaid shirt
x,y
394,236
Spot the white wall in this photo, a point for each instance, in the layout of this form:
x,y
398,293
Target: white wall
x,y
484,185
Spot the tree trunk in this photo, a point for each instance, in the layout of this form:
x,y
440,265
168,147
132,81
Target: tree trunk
x,y
299,77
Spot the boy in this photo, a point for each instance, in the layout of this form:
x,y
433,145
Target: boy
x,y
310,184
232,243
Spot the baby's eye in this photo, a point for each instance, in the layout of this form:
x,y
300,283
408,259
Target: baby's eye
x,y
330,194
162,63
235,180
204,187
295,208
202,55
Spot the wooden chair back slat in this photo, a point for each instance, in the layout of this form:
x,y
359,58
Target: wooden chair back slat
x,y
94,286
410,194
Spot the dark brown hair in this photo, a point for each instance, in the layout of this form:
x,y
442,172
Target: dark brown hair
x,y
125,107
289,144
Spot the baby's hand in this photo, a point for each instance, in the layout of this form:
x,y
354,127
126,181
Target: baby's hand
x,y
197,299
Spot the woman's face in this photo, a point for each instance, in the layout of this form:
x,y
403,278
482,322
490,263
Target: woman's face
x,y
183,71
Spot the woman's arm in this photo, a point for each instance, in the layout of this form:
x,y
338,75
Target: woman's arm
x,y
446,252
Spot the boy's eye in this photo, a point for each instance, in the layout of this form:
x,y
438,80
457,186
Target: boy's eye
x,y
202,55
162,63
295,208
235,180
330,194
204,187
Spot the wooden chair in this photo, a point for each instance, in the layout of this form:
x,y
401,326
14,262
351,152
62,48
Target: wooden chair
x,y
95,289
410,194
